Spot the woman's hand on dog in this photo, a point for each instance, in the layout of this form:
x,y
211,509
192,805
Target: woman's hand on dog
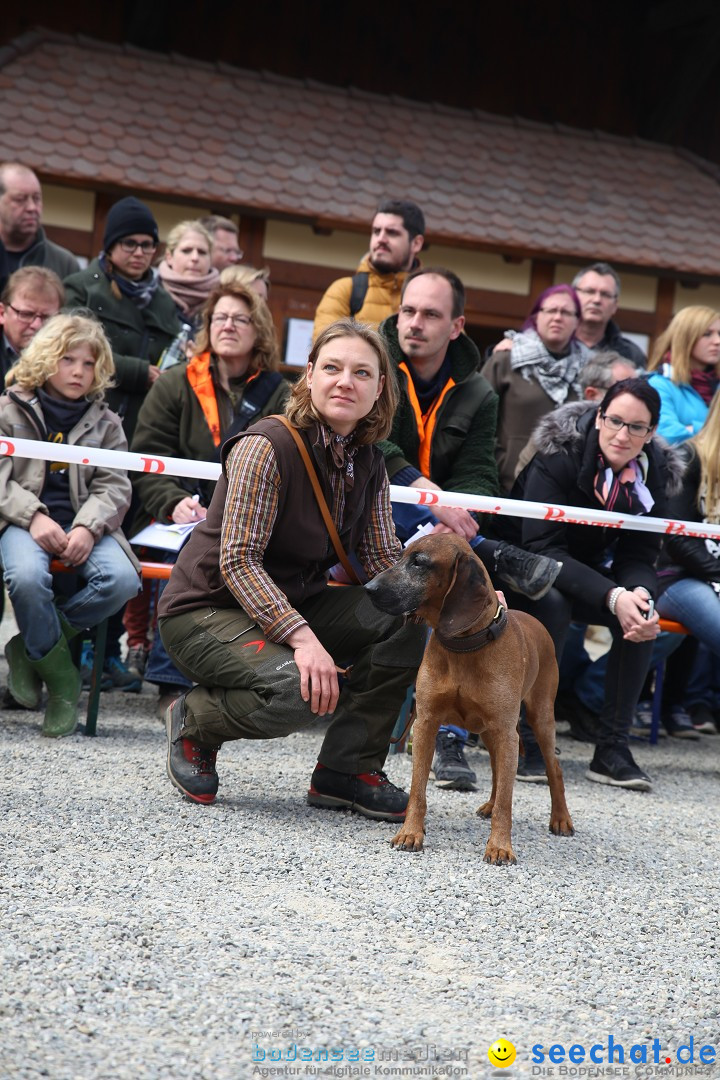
x,y
318,673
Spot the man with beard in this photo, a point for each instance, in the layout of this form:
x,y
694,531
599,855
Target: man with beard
x,y
373,293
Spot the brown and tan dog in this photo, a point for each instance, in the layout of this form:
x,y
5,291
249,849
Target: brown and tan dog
x,y
481,662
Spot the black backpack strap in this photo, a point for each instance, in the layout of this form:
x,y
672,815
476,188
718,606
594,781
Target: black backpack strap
x,y
359,290
254,400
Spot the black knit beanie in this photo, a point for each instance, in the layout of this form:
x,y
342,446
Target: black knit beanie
x,y
127,217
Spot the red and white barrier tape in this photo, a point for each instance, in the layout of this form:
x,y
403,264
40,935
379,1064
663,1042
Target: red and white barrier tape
x,y
206,470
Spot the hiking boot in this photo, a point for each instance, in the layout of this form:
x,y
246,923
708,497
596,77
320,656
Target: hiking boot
x,y
616,766
678,724
24,685
136,660
449,768
531,575
531,771
703,719
370,794
120,676
581,720
190,766
87,661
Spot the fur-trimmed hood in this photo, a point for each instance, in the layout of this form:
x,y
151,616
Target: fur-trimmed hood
x,y
565,430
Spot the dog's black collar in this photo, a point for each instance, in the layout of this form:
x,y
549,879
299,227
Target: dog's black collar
x,y
476,641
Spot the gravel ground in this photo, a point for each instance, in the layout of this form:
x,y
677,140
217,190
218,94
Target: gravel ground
x,y
144,937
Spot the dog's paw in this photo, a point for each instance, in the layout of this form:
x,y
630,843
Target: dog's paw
x,y
562,826
408,841
486,809
499,856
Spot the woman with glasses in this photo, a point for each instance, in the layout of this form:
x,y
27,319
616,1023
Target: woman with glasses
x,y
125,293
535,370
602,458
230,382
686,365
140,321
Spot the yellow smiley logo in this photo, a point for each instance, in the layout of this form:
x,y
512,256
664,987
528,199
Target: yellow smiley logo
x,y
501,1053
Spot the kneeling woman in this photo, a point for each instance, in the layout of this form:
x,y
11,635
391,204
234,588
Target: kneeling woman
x,y
605,459
248,614
68,512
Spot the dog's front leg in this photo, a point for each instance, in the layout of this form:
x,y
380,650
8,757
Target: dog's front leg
x,y
411,834
504,758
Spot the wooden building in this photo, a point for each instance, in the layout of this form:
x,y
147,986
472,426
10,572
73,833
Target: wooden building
x,y
511,206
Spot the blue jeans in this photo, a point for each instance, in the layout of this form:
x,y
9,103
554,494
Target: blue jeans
x,y
696,606
588,683
110,580
160,668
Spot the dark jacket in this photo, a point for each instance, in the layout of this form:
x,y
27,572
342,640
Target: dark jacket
x,y
299,554
688,556
171,423
614,341
44,253
138,336
563,472
462,456
8,357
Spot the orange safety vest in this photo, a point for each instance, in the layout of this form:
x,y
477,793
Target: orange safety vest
x,y
199,376
425,421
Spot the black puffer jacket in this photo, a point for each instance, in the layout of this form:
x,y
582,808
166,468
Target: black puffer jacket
x,y
594,559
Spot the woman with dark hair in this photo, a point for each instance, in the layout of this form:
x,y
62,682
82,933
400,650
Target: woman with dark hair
x,y
535,370
247,613
189,412
605,459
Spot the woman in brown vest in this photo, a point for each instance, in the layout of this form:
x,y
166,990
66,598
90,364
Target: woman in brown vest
x,y
247,614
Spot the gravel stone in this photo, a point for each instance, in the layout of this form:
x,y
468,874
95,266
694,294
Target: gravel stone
x,y
150,939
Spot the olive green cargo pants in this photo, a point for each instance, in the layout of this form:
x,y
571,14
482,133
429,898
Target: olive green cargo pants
x,y
249,687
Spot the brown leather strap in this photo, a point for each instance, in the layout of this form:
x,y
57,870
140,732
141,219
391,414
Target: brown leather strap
x,y
327,518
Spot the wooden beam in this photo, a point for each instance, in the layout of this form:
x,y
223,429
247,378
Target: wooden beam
x,y
664,302
79,241
103,202
542,277
251,239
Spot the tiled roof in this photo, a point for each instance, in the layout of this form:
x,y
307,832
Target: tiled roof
x,y
114,116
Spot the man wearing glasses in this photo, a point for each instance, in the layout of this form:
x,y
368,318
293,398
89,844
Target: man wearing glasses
x,y
598,287
31,296
23,237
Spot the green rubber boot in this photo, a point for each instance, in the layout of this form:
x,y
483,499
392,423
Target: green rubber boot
x,y
64,685
23,682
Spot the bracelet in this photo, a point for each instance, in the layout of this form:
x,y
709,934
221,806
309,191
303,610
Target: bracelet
x,y
613,598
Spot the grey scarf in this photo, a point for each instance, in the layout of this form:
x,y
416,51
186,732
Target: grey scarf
x,y
557,375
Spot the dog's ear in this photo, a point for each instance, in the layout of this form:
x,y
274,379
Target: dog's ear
x,y
468,594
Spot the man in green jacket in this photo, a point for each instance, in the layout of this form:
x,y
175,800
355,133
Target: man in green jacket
x,y
443,438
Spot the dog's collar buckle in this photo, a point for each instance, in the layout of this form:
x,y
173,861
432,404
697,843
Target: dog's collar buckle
x,y
480,639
